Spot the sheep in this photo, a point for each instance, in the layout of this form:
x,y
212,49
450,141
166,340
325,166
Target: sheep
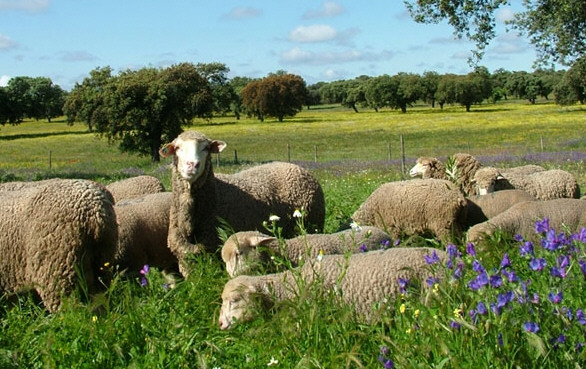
x,y
19,185
244,252
519,219
143,231
133,187
192,216
364,280
246,199
56,235
426,207
543,185
464,167
484,207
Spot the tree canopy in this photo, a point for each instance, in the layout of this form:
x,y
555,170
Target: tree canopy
x,y
557,28
28,97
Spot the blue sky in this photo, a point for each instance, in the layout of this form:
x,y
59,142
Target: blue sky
x,y
318,40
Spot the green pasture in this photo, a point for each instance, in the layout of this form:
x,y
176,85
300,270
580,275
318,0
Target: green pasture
x,y
131,326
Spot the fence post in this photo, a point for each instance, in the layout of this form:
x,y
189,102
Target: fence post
x,y
389,151
288,153
541,140
315,154
402,155
50,159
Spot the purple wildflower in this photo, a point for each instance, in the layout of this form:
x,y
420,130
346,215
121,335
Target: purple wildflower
x,y
431,259
455,325
506,262
363,248
561,338
477,267
518,238
542,226
477,283
495,281
580,236
558,272
555,298
553,241
458,271
384,350
511,276
385,244
526,248
499,339
431,280
144,271
581,317
537,264
481,308
563,261
403,283
504,298
531,327
470,250
535,298
582,264
397,242
452,251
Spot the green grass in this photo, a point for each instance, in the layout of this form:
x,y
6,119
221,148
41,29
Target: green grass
x,y
157,327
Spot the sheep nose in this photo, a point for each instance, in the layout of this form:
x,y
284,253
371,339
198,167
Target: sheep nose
x,y
192,165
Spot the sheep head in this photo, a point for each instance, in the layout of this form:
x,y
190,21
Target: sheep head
x,y
238,301
240,251
191,152
485,179
426,167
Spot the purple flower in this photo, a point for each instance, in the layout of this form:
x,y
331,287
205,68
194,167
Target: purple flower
x,y
458,271
452,251
537,264
480,281
553,241
495,281
555,298
504,298
431,259
511,276
499,339
526,248
580,317
397,242
431,280
477,267
561,338
144,271
518,238
363,248
481,308
535,298
385,244
531,327
558,272
542,226
582,264
470,250
455,325
506,262
403,283
581,236
563,261
384,350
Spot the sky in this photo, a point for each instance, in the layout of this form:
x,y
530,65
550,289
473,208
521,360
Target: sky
x,y
318,40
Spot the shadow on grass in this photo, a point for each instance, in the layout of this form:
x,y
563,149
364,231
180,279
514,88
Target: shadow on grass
x,y
41,135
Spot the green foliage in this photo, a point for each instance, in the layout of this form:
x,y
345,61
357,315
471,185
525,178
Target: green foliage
x,y
27,97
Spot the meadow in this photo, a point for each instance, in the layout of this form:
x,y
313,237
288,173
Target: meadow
x,y
523,316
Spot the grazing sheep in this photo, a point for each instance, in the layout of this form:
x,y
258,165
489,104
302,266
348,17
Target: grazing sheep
x,y
246,251
484,207
426,207
465,165
363,280
133,187
19,185
56,235
246,199
192,217
563,214
544,185
143,225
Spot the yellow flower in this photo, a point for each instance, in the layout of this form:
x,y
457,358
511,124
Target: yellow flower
x,y
408,331
416,313
94,318
402,308
458,312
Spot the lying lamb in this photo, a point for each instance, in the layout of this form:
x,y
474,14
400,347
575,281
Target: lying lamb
x,y
52,232
247,251
363,280
134,187
563,214
426,207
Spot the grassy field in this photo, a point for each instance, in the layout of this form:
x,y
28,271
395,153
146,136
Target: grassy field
x,y
521,322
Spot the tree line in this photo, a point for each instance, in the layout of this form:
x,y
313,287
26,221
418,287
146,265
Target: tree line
x,y
141,109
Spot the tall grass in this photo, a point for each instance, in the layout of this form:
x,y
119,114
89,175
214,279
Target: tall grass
x,y
154,326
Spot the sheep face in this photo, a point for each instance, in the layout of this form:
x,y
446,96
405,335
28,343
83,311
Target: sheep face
x,y
191,150
240,251
423,167
237,302
485,180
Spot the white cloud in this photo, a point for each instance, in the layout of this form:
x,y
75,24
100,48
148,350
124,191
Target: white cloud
x,y
508,43
77,55
315,33
6,42
505,14
328,9
299,56
332,75
242,12
4,80
26,5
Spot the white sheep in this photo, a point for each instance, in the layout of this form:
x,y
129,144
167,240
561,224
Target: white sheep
x,y
133,187
519,219
56,235
484,207
426,207
462,173
248,198
143,231
543,185
363,280
248,251
192,217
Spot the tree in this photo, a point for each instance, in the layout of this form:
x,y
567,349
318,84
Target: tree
x,y
277,95
313,94
238,84
409,90
47,99
446,90
222,91
429,83
572,87
380,91
473,88
554,27
19,97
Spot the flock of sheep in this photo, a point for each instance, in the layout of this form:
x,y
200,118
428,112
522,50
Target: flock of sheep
x,y
55,229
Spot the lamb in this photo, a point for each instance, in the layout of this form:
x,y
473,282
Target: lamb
x,y
426,207
192,217
519,219
484,207
248,198
364,280
247,251
544,185
143,231
133,187
53,232
465,165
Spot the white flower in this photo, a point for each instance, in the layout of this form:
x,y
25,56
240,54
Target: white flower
x,y
273,362
274,218
355,227
297,214
320,256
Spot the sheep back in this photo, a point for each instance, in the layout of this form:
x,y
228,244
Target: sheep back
x,y
133,187
53,232
544,185
427,207
484,207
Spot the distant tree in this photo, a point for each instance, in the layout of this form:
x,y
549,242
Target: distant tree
x,y
276,95
5,113
354,92
222,91
409,90
499,84
333,92
20,98
379,91
429,83
46,99
238,84
572,86
548,79
447,90
473,88
554,27
313,94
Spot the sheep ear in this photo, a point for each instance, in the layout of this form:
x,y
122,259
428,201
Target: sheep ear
x,y
261,240
167,149
500,177
217,146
